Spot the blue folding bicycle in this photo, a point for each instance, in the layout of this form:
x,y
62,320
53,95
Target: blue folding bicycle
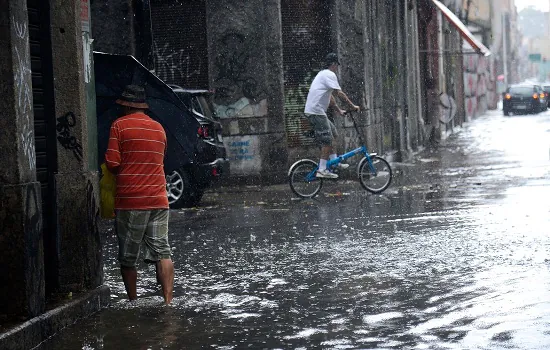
x,y
374,172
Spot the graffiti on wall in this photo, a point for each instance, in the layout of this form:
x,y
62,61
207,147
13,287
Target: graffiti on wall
x,y
243,153
295,122
64,125
238,93
23,71
86,55
94,237
479,87
174,65
86,40
295,98
24,95
32,217
33,240
92,208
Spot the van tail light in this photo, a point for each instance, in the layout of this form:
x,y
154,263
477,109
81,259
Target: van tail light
x,y
508,96
203,132
535,96
215,172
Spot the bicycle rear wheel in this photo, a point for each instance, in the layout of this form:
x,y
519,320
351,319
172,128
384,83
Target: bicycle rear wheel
x,y
378,180
301,182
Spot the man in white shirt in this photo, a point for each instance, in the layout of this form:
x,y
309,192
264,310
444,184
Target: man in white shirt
x,y
319,99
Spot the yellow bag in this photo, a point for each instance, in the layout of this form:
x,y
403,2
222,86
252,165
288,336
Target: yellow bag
x,y
107,191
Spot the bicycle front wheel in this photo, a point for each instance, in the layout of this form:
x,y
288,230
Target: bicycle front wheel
x,y
377,178
302,179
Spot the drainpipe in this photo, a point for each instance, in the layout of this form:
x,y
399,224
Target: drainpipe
x,y
504,50
441,43
89,83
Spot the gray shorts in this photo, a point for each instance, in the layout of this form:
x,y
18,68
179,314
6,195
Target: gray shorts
x,y
324,129
137,227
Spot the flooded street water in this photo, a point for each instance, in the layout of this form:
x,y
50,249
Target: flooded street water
x,y
454,255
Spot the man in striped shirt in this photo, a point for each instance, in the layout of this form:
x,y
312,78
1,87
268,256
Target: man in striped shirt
x,y
135,154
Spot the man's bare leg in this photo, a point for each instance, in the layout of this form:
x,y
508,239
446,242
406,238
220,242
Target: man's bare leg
x,y
129,276
165,271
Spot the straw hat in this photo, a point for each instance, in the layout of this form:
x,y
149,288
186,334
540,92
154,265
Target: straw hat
x,y
133,96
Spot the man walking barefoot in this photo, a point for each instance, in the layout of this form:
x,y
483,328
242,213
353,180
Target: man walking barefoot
x,y
135,154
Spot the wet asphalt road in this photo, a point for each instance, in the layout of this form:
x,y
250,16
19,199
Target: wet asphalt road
x,y
454,255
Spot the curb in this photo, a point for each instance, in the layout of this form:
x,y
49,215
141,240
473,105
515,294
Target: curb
x,y
33,332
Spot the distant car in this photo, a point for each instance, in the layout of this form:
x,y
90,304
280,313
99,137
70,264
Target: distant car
x,y
186,186
524,98
546,89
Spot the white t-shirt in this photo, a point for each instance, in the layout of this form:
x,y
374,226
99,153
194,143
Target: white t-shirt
x,y
320,90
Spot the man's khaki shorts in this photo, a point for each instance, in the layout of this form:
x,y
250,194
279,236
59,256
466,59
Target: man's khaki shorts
x,y
324,129
134,227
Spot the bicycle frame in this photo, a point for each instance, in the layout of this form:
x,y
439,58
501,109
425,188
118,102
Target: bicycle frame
x,y
361,150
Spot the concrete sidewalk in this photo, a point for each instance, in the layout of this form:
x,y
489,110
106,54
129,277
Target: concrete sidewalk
x,y
31,333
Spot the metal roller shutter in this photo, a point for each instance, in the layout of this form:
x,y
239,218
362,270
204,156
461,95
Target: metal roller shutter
x,y
306,41
44,128
179,42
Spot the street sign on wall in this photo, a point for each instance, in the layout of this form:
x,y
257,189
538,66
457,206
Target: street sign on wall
x,y
535,57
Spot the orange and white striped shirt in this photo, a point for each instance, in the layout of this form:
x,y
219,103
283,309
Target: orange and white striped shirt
x,y
135,154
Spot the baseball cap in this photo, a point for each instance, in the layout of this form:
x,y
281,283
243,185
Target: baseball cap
x,y
331,58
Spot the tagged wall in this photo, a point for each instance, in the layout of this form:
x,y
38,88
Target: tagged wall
x,y
380,72
479,85
263,54
21,248
76,179
239,93
451,78
244,154
179,42
245,62
307,39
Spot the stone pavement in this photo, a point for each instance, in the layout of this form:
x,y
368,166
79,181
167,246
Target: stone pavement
x,y
29,334
32,332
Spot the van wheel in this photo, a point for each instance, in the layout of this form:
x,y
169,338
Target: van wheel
x,y
181,190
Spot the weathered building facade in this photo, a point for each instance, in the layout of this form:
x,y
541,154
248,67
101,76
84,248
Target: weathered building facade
x,y
506,43
456,60
49,239
480,79
261,57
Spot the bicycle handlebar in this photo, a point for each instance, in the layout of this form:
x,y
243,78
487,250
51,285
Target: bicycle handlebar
x,y
351,110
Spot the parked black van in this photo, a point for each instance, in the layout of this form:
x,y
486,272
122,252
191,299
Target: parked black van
x,y
211,153
194,158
